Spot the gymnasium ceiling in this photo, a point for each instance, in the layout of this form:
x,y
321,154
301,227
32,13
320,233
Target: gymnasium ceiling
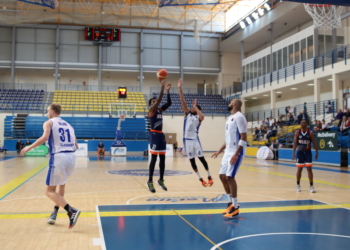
x,y
122,13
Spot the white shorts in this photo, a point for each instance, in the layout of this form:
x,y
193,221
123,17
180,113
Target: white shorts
x,y
193,148
60,168
227,168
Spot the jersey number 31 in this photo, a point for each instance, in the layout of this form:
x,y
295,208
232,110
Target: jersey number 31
x,y
62,137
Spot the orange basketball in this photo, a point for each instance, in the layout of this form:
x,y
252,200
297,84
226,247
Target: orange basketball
x,y
162,73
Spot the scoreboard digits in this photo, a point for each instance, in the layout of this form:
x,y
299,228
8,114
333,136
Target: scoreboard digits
x,y
122,92
102,34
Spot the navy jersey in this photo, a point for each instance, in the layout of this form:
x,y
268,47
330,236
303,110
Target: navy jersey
x,y
304,140
156,120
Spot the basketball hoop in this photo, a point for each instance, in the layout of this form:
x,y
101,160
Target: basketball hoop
x,y
122,117
326,16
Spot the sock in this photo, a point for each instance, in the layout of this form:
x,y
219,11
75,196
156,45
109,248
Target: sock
x,y
311,184
229,197
208,173
55,210
199,175
298,182
67,208
234,202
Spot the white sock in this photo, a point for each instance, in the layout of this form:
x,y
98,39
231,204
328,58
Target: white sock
x,y
208,173
228,197
199,175
234,202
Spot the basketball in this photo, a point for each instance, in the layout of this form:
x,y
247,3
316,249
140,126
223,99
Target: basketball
x,y
162,74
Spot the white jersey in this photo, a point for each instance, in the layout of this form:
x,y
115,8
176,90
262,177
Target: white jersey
x,y
62,136
191,126
235,125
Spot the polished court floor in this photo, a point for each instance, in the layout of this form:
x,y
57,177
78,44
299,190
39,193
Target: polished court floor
x,y
120,213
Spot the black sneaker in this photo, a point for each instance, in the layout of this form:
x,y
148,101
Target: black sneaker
x,y
151,187
232,213
73,217
161,183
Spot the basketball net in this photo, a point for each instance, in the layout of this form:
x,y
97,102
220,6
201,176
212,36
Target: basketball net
x,y
326,16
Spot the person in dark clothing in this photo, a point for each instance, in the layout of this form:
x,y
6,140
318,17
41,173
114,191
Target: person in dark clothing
x,y
337,119
18,146
305,108
300,117
256,134
28,143
290,120
21,146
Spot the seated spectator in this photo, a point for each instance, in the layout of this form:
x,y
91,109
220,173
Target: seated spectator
x,y
21,146
101,149
346,90
273,131
18,146
318,126
28,143
337,119
290,119
271,121
313,126
329,107
325,126
345,128
256,134
346,113
263,131
281,120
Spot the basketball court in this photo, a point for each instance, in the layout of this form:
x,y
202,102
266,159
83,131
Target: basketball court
x,y
118,211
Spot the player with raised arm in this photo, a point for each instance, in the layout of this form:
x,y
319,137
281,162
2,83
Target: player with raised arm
x,y
235,149
156,137
192,144
302,144
62,143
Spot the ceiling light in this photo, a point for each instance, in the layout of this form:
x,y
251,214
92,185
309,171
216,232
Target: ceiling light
x,y
310,84
267,7
242,23
255,15
266,95
254,98
278,92
261,11
294,88
329,79
249,21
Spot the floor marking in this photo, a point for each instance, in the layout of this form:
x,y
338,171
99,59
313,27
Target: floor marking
x,y
345,206
97,241
195,229
287,233
102,238
11,186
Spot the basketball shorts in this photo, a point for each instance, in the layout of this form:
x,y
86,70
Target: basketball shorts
x,y
157,143
227,168
101,151
193,148
304,158
61,166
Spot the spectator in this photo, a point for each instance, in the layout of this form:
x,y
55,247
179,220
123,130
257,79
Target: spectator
x,y
343,124
347,113
300,117
266,122
324,126
263,132
329,107
18,146
101,149
313,126
287,110
256,134
347,126
281,120
290,120
175,146
22,145
305,116
28,143
346,90
305,107
271,121
273,131
338,118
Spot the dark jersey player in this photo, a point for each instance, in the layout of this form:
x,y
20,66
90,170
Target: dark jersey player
x,y
302,145
156,137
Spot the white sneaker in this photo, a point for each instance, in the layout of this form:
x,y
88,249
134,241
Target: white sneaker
x,y
312,189
298,188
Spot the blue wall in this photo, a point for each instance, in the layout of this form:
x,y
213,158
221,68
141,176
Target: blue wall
x,y
324,157
133,146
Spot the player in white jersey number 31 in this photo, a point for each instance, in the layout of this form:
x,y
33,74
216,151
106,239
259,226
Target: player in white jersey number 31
x,y
62,143
235,149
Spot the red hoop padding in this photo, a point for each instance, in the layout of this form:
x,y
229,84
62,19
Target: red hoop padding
x,y
318,5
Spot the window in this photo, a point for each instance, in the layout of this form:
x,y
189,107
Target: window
x,y
264,66
255,69
310,45
243,73
321,44
329,43
279,59
274,61
268,64
297,52
303,49
285,57
251,70
291,55
259,67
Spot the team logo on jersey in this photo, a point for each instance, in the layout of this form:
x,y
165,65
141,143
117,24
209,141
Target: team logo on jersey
x,y
300,136
232,119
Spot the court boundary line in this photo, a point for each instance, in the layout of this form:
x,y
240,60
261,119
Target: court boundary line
x,y
99,223
285,233
197,230
332,204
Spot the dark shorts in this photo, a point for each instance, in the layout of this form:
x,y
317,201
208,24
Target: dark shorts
x,y
157,143
304,158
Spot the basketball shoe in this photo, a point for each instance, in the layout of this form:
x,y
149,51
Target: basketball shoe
x,y
228,209
204,184
210,181
298,188
312,189
161,183
52,219
73,217
232,213
151,187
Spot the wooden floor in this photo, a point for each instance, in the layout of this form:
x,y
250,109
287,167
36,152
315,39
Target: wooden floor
x,y
24,207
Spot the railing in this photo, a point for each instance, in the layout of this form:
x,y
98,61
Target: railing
x,y
112,88
175,90
328,58
35,86
313,110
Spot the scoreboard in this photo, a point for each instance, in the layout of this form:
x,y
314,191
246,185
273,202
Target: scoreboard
x,y
122,92
102,34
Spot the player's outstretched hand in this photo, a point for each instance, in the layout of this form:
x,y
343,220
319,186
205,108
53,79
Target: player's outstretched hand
x,y
215,155
162,82
179,83
168,86
194,104
24,150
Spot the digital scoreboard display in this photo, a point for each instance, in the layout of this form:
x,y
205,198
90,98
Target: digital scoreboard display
x,y
122,92
102,34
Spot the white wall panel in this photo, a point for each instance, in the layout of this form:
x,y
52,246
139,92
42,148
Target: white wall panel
x,y
130,56
210,60
152,40
191,43
152,57
130,39
170,57
46,36
88,54
68,53
25,35
192,59
69,36
6,34
210,44
170,42
25,52
5,51
113,55
45,52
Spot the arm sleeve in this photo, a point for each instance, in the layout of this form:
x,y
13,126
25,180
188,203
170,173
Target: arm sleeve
x,y
167,104
241,124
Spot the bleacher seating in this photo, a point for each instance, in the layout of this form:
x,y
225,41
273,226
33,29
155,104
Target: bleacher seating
x,y
86,127
208,103
95,100
21,99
